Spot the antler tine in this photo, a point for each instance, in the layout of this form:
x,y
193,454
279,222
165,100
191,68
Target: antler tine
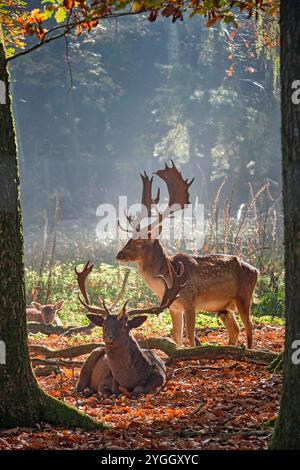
x,y
128,230
97,310
147,202
123,312
135,224
170,294
105,307
81,278
147,192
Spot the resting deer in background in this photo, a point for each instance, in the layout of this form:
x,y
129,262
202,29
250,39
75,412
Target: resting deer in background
x,y
222,284
122,366
45,313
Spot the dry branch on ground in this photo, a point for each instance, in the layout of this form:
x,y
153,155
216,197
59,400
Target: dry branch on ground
x,y
261,357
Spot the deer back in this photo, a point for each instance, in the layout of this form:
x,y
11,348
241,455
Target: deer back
x,y
33,314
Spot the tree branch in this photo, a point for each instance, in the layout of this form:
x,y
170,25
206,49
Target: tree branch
x,y
67,29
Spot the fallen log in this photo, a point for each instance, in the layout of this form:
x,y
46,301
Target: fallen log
x,y
73,351
34,327
55,362
252,356
79,329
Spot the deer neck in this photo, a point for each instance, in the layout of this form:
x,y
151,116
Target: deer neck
x,y
128,364
155,263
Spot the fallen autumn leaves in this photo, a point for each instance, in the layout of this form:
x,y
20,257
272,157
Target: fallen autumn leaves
x,y
217,405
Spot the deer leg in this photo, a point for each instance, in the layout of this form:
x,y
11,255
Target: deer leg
x,y
243,306
231,325
177,322
85,377
190,319
155,380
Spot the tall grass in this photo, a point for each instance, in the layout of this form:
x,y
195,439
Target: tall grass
x,y
252,231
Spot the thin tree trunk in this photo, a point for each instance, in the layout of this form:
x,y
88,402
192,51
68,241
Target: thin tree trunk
x,y
22,402
286,434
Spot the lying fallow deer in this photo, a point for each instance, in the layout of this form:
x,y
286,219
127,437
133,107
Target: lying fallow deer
x,y
217,283
45,313
122,366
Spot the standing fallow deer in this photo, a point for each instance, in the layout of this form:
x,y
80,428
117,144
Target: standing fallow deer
x,y
218,283
45,313
122,366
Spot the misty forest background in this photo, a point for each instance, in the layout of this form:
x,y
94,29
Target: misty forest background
x,y
92,114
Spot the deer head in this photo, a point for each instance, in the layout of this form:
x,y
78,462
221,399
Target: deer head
x,y
49,311
145,240
117,327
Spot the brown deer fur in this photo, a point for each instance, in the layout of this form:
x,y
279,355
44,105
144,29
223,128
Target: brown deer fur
x,y
123,366
44,313
223,284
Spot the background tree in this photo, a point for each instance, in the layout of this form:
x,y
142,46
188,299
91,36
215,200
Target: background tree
x,y
286,435
22,402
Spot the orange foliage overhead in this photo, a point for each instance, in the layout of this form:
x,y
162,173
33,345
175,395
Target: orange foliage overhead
x,y
85,15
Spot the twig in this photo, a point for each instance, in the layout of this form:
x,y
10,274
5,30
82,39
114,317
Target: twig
x,y
197,409
249,205
67,29
75,388
56,223
69,62
40,287
61,384
5,443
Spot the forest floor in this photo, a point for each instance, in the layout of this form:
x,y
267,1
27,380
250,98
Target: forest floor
x,y
207,405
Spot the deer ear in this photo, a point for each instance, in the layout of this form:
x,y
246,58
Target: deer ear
x,y
59,305
96,319
37,306
135,322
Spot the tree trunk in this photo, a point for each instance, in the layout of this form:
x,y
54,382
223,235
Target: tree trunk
x,y
22,402
286,434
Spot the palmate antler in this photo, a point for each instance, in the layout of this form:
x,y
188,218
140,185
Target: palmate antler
x,y
178,199
147,203
171,293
